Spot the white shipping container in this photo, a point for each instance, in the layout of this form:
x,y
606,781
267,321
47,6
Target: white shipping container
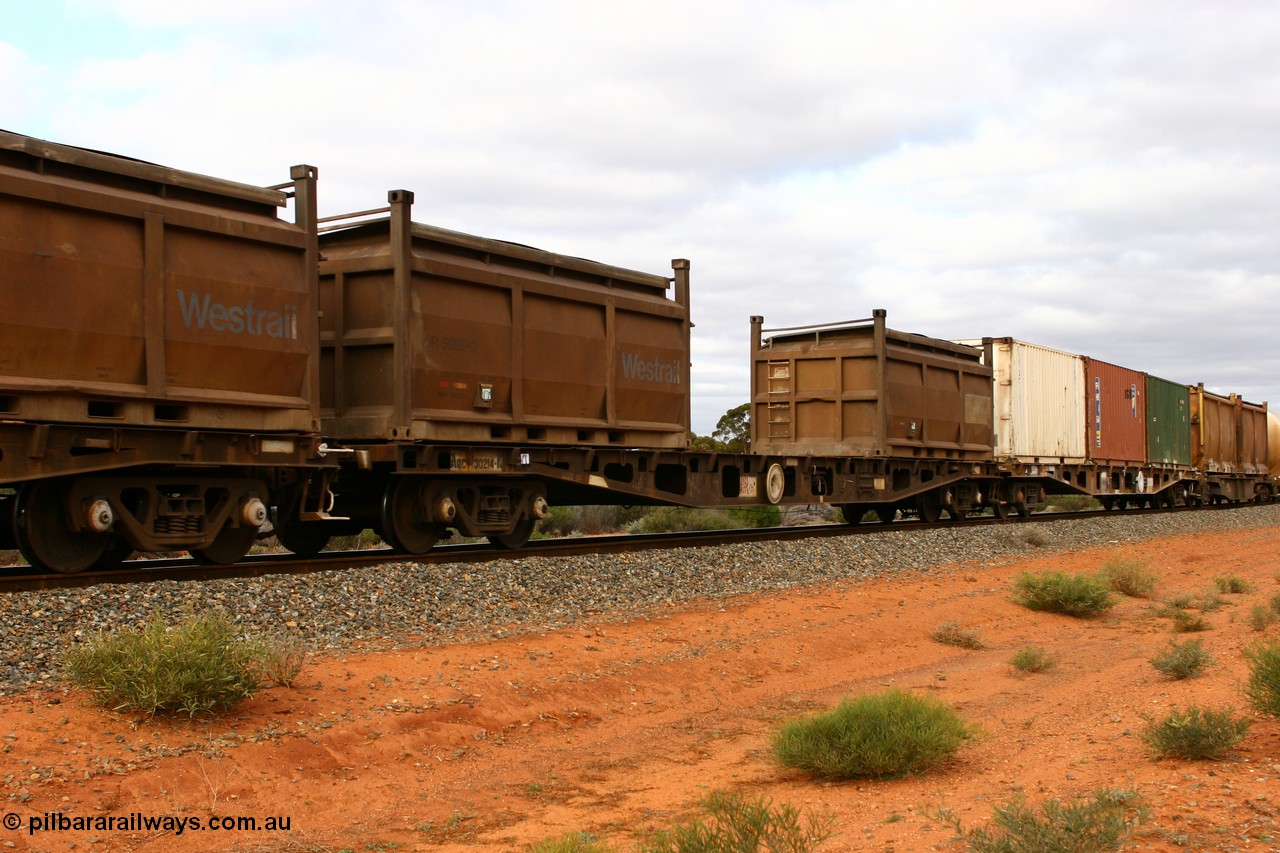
x,y
1039,402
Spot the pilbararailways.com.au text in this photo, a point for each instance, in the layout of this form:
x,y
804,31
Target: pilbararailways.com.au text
x,y
139,822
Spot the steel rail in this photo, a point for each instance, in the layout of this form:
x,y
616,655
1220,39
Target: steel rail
x,y
258,565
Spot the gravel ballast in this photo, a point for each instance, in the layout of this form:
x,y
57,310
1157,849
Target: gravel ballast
x,y
396,602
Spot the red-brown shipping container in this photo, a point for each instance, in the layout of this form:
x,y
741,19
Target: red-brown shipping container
x,y
862,389
433,335
136,295
1116,414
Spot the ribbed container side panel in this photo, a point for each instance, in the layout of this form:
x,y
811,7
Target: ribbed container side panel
x,y
1039,402
136,295
453,337
1273,444
1168,423
1214,437
1115,402
1254,440
859,389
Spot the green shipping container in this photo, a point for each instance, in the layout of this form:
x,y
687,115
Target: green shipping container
x,y
1168,423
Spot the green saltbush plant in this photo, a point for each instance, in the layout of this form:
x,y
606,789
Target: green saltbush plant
x,y
1263,686
1060,592
1033,659
734,824
1186,622
1080,826
572,842
1232,584
1262,617
881,734
201,664
1183,660
1131,576
951,634
1195,733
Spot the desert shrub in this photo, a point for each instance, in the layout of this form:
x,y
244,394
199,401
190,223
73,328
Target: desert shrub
x,y
1275,602
572,842
1263,686
201,664
1075,503
588,520
886,734
1195,733
1209,601
669,519
1032,659
951,634
1035,537
756,516
361,541
1232,584
1060,592
734,824
1262,617
1080,826
283,656
1131,576
1183,660
1186,622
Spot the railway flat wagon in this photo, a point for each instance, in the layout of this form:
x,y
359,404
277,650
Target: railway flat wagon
x,y
148,318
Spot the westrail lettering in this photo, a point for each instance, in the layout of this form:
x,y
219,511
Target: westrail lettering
x,y
199,310
635,366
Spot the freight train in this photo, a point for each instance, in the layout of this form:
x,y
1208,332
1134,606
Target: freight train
x,y
180,365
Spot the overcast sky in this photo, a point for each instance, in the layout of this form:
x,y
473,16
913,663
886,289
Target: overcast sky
x,y
1100,177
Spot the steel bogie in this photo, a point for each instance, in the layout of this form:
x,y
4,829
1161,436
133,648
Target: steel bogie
x,y
217,519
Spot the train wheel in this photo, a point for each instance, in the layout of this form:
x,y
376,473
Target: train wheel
x,y
306,539
999,508
929,507
517,538
404,524
886,514
853,513
44,535
228,547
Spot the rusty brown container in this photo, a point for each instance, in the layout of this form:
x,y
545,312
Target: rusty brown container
x,y
861,389
1273,444
1115,414
433,335
1255,447
136,295
1215,438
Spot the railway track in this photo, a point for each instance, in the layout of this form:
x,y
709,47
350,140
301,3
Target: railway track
x,y
12,579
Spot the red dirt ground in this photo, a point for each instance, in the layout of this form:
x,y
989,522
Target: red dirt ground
x,y
618,727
